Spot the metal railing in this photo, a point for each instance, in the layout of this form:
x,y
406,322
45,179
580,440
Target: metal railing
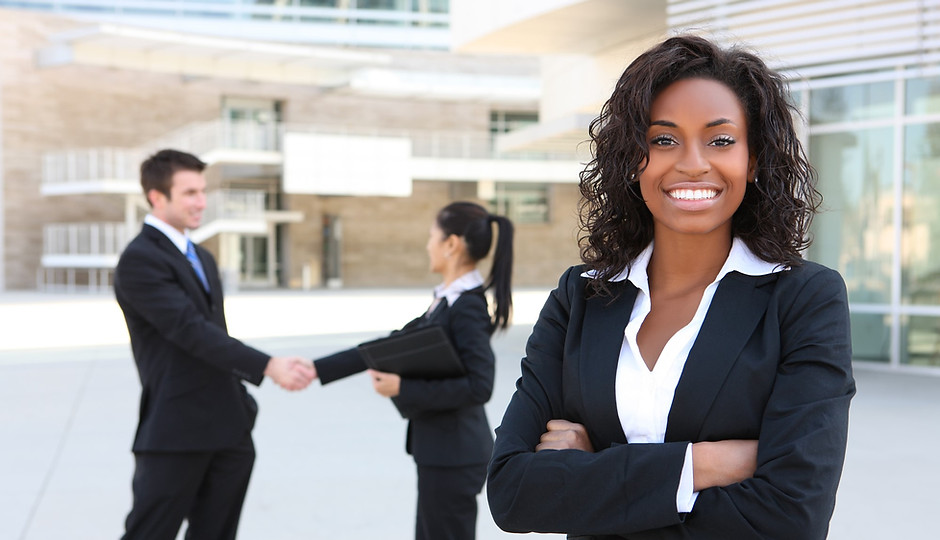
x,y
91,164
234,204
201,138
108,238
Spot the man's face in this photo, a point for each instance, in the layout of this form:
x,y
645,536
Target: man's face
x,y
183,209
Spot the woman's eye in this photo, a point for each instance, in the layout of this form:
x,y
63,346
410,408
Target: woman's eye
x,y
663,140
723,141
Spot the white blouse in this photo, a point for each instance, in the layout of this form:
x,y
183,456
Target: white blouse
x,y
470,280
644,396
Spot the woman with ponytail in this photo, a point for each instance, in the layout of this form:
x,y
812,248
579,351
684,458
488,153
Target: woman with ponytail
x,y
448,432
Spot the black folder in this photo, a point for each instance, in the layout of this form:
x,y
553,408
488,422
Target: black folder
x,y
423,353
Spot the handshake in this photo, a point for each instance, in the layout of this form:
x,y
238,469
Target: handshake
x,y
291,372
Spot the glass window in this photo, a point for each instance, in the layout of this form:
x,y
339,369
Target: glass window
x,y
923,96
920,272
521,203
921,337
848,103
871,337
506,121
431,6
920,340
398,5
853,233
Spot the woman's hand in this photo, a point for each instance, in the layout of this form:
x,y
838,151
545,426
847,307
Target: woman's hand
x,y
722,463
565,435
386,384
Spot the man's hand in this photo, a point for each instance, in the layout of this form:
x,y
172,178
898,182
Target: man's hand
x,y
291,372
386,384
565,435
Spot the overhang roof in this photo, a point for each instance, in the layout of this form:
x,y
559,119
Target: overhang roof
x,y
355,71
162,51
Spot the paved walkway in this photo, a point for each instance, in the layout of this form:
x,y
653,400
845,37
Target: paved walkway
x,y
331,461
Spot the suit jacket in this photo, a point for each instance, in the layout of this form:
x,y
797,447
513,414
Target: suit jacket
x,y
447,423
772,362
190,369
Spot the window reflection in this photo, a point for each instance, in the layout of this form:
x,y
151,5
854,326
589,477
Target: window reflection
x,y
854,232
921,341
923,96
871,340
848,103
920,253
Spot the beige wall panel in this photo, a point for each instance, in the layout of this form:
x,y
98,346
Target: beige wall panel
x,y
384,238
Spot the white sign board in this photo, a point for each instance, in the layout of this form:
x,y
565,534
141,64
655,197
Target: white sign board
x,y
318,164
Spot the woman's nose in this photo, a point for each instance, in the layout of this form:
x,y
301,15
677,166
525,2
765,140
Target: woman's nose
x,y
693,161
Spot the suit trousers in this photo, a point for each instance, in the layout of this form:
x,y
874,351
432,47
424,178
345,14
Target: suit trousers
x,y
205,488
447,502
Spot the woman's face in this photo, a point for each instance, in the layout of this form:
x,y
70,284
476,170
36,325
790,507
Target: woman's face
x,y
436,249
699,163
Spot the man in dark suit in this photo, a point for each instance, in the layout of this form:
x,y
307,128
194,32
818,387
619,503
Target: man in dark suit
x,y
193,448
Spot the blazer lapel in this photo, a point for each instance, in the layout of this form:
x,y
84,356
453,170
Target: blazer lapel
x,y
604,324
183,266
738,306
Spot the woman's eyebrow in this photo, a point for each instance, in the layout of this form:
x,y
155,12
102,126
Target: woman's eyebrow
x,y
719,122
713,123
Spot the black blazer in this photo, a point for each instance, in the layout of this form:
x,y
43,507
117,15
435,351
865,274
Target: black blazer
x,y
772,362
190,369
447,423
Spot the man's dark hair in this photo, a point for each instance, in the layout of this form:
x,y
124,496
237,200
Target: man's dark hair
x,y
156,172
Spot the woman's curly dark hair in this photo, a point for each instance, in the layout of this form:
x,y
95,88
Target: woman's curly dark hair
x,y
774,217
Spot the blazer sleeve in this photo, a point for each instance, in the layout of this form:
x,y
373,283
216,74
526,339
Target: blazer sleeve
x,y
148,287
624,488
470,329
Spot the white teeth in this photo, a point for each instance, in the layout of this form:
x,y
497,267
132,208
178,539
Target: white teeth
x,y
693,194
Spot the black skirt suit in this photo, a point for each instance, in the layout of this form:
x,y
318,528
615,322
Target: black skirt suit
x,y
447,424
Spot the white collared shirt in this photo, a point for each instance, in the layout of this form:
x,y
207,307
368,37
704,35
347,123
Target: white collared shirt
x,y
644,396
466,282
179,239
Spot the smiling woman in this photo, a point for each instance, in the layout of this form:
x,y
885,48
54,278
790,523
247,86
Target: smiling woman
x,y
692,379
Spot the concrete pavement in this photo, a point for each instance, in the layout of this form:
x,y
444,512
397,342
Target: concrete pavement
x,y
331,460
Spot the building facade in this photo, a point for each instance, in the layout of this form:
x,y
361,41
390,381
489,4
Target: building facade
x,y
866,76
326,163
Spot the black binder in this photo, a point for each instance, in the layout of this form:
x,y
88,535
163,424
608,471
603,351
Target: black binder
x,y
423,353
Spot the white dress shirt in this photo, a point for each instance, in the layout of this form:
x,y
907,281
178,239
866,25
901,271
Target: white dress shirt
x,y
644,396
179,239
466,282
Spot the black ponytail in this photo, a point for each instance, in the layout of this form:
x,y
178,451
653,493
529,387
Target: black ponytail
x,y
473,224
500,279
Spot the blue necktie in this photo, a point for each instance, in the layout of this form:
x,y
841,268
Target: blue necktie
x,y
197,264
